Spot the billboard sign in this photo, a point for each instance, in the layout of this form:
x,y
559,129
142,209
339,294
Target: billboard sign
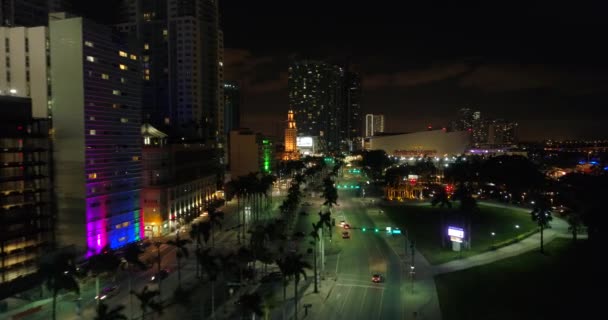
x,y
304,142
456,234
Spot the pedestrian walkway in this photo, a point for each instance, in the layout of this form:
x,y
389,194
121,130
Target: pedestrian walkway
x,y
559,229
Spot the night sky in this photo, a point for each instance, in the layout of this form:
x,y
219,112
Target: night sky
x,y
543,66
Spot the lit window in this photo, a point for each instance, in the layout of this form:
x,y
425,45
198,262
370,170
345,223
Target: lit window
x,y
89,44
123,80
92,118
147,140
124,120
125,224
123,67
146,77
136,158
165,32
146,46
122,54
146,58
116,92
105,76
90,58
115,106
133,57
92,132
92,175
147,71
221,64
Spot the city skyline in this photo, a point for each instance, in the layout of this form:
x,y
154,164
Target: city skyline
x,y
527,64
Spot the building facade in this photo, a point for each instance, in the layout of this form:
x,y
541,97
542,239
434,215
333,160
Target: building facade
x,y
183,74
374,123
502,133
291,135
26,215
232,106
25,65
28,13
96,85
250,152
316,97
177,182
351,116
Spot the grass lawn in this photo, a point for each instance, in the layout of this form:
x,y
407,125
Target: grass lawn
x,y
563,284
423,224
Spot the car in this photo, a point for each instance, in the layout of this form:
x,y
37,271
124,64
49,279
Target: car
x,y
108,292
272,277
162,274
346,226
342,223
377,278
345,235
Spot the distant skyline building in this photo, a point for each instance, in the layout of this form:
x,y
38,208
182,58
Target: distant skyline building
x,y
96,84
502,133
316,97
181,45
232,106
28,13
464,120
351,114
374,123
26,216
291,135
250,152
25,64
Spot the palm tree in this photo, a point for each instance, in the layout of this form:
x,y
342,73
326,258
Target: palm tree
x,y
131,259
251,304
296,265
314,234
148,299
104,262
541,214
441,199
196,232
330,193
58,274
286,272
181,250
575,221
468,208
105,313
214,220
211,267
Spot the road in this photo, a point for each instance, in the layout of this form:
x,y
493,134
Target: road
x,y
347,291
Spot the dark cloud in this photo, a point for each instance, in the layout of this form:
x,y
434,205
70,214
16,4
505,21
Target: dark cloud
x,y
414,77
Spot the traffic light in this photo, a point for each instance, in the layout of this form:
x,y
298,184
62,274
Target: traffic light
x,y
363,229
376,230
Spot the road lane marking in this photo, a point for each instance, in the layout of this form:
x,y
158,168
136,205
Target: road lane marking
x,y
381,300
360,286
337,263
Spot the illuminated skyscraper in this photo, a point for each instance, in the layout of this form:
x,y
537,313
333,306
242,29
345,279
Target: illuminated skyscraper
x,y
96,86
374,123
316,97
351,116
291,134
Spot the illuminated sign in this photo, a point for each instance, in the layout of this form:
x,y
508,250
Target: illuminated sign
x,y
455,232
304,142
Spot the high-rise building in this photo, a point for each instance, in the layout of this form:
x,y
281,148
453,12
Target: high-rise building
x,y
28,13
464,120
24,59
316,97
481,130
351,114
232,106
182,46
291,136
26,219
374,123
96,86
502,133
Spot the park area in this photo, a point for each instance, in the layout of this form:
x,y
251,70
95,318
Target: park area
x,y
561,284
492,225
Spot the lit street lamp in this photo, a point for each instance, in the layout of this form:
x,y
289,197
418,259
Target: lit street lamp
x,y
516,226
493,234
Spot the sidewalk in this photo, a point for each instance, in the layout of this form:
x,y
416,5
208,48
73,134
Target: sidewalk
x,y
559,229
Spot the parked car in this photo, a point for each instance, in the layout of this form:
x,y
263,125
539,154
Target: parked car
x,y
162,274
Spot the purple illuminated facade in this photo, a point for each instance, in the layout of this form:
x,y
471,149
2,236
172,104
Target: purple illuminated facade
x,y
96,107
